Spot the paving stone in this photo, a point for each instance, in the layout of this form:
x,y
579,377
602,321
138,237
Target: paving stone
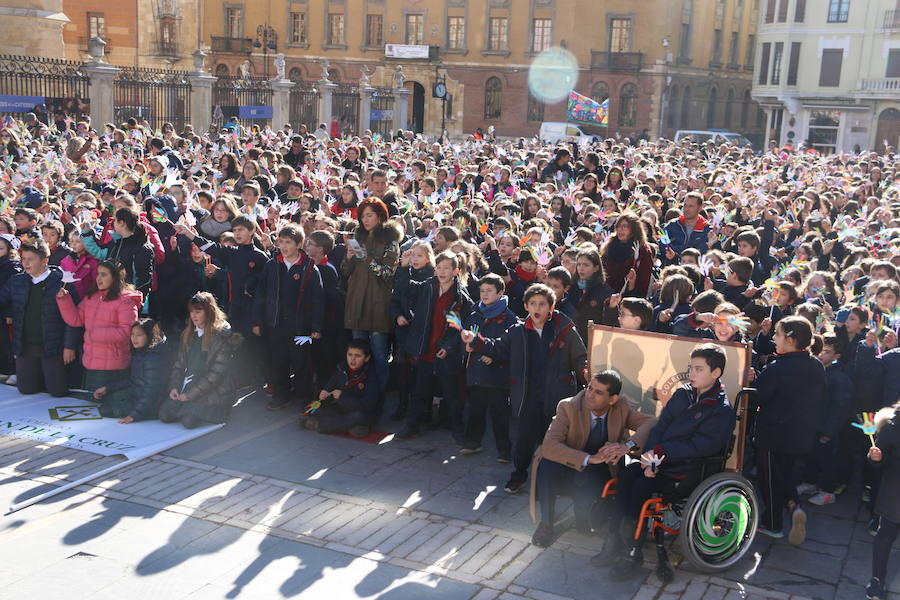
x,y
472,547
434,542
487,562
303,519
715,592
386,540
414,541
348,514
355,536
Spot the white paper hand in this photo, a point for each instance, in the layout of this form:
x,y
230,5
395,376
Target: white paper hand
x,y
69,277
302,339
652,460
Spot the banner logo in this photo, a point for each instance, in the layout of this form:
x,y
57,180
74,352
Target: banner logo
x,y
75,413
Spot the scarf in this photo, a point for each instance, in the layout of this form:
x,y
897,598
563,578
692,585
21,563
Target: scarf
x,y
489,311
619,251
524,275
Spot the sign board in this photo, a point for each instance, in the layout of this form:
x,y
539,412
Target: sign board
x,y
654,365
19,104
255,112
405,51
382,115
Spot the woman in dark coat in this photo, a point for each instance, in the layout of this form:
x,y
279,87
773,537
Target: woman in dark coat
x,y
201,388
367,310
628,251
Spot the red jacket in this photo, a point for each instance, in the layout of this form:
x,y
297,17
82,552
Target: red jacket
x,y
107,327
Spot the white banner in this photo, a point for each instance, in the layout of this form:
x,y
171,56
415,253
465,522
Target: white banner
x,y
405,51
78,424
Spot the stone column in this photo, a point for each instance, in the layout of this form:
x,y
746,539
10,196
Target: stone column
x,y
281,102
101,74
401,108
365,108
326,88
201,94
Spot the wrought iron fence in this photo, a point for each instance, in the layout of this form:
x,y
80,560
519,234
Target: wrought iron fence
x,y
304,106
232,93
345,108
154,95
46,85
382,115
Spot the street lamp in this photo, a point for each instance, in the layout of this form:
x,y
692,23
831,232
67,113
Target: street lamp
x,y
267,39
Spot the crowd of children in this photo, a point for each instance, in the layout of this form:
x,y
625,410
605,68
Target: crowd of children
x,y
168,274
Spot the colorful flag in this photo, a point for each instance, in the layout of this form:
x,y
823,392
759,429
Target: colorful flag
x,y
585,110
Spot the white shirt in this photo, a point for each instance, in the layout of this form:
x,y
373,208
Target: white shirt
x,y
41,277
288,264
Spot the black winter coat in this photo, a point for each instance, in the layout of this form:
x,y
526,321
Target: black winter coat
x,y
57,336
147,376
496,374
566,362
245,265
837,409
215,389
134,254
790,392
589,304
423,296
290,302
881,372
401,301
888,441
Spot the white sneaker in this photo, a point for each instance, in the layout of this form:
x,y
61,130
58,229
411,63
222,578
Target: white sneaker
x,y
822,498
805,489
11,380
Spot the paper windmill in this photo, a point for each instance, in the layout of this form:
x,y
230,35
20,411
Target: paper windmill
x,y
867,425
312,407
652,460
454,321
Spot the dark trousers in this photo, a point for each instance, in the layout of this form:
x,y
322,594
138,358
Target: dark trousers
x,y
881,548
584,487
326,354
776,486
431,377
36,373
284,358
528,432
822,466
333,419
481,402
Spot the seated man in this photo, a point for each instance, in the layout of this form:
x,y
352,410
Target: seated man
x,y
587,438
350,398
697,422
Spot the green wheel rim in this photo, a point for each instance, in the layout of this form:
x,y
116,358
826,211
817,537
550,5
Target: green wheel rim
x,y
721,525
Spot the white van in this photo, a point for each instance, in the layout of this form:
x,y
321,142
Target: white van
x,y
718,136
555,132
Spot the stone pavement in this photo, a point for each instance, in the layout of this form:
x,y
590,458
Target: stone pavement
x,y
262,509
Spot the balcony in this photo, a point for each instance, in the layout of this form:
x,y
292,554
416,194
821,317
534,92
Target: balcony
x,y
891,20
883,85
84,45
617,61
166,48
229,45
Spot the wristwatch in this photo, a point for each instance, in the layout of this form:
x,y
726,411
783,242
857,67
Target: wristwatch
x,y
630,445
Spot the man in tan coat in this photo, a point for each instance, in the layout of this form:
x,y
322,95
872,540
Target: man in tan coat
x,y
587,438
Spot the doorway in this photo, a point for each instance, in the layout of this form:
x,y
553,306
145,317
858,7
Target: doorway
x,y
888,128
417,112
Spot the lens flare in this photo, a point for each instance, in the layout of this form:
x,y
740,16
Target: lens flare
x,y
552,74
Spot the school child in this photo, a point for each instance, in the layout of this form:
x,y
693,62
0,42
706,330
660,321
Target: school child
x,y
289,315
520,278
821,289
9,266
751,245
674,301
416,264
790,391
832,417
82,265
52,232
488,380
631,313
350,396
560,281
435,345
589,290
137,397
734,286
699,322
547,361
326,350
201,387
885,456
26,220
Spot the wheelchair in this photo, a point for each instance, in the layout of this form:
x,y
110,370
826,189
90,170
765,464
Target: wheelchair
x,y
714,523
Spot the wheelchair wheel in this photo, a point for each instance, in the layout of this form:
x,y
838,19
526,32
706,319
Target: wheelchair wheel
x,y
718,522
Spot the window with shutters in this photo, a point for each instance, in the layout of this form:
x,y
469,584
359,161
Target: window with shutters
x,y
456,33
493,95
335,30
838,11
782,10
298,28
542,37
830,70
793,64
535,109
776,63
96,25
619,35
764,63
374,31
893,63
770,11
415,30
800,11
498,39
234,22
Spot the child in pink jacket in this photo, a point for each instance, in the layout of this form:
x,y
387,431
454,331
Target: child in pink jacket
x,y
106,313
82,265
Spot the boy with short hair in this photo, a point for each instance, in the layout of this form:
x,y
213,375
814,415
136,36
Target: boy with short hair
x,y
349,397
751,245
697,422
52,232
732,288
26,220
487,379
289,313
560,281
635,313
547,362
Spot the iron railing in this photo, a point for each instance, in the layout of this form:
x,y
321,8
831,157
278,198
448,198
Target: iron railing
x,y
232,92
63,85
617,61
382,115
156,96
304,106
345,108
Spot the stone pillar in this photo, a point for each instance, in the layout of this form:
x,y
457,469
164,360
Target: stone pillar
x,y
365,108
326,88
281,102
201,94
101,74
401,108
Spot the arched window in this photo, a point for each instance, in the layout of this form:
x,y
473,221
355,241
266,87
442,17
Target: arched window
x,y
686,101
493,95
672,116
729,103
711,108
745,109
600,91
295,74
628,105
222,70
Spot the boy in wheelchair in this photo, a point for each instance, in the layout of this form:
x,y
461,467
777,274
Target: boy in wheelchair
x,y
696,423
